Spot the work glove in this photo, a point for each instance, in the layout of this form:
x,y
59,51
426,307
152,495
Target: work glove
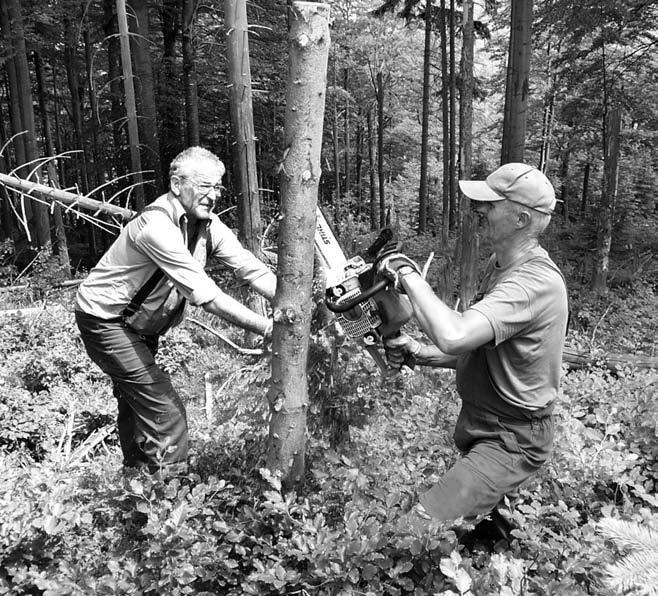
x,y
400,350
389,263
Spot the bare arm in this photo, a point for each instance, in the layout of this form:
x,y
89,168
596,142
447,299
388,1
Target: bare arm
x,y
399,347
452,332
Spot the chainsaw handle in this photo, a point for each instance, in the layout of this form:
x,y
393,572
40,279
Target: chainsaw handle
x,y
349,304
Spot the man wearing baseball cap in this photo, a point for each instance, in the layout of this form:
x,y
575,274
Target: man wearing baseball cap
x,y
506,347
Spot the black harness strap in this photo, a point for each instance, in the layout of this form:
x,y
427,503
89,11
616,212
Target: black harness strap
x,y
150,283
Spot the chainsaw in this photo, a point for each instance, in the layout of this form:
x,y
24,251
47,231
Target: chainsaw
x,y
366,306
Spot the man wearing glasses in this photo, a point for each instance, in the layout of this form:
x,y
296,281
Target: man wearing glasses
x,y
139,290
506,348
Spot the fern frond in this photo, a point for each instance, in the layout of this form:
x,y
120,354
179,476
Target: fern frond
x,y
628,535
636,573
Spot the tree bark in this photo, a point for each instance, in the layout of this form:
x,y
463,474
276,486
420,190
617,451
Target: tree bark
x,y
516,88
347,157
60,244
453,119
168,90
244,137
608,199
40,221
145,91
110,29
131,109
445,126
371,172
469,238
189,75
424,134
305,100
380,148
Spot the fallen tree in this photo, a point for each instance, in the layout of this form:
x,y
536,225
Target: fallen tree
x,y
65,197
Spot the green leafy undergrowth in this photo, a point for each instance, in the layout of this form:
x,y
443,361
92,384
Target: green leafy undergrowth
x,y
72,523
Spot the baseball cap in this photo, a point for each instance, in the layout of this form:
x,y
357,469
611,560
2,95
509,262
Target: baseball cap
x,y
516,182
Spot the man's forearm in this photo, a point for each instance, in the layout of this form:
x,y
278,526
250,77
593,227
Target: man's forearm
x,y
428,355
452,332
228,308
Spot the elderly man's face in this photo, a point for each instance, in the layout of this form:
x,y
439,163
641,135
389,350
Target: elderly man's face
x,y
496,220
199,187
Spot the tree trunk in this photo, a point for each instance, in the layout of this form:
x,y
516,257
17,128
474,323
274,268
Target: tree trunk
x,y
445,124
145,91
305,99
168,89
244,138
469,238
110,30
335,147
516,88
547,117
371,172
583,198
346,128
608,199
131,109
453,119
60,244
189,75
380,149
424,134
358,165
40,221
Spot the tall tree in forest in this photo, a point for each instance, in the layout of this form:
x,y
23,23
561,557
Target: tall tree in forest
x,y
445,113
169,105
300,174
468,238
60,243
244,137
131,109
189,74
145,96
40,223
517,83
422,189
608,200
242,123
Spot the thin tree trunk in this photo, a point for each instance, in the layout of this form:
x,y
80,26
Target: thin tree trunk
x,y
336,148
305,99
453,119
565,191
469,238
60,244
40,221
371,172
547,117
516,88
445,122
358,166
346,128
380,149
244,138
168,89
585,193
145,91
424,134
6,229
131,109
110,30
98,166
189,74
608,199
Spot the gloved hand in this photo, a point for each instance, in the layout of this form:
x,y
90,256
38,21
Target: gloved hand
x,y
389,265
399,348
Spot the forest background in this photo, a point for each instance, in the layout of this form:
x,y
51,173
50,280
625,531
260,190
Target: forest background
x,y
586,525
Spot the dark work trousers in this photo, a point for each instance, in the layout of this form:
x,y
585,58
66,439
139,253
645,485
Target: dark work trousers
x,y
152,423
501,445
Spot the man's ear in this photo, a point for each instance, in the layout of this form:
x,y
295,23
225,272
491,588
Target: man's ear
x,y
523,219
174,185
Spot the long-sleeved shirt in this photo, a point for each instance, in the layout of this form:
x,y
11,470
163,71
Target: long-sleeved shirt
x,y
158,239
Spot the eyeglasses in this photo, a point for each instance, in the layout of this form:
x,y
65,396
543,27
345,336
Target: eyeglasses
x,y
204,189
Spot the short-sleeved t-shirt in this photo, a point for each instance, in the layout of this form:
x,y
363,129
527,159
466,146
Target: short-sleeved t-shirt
x,y
526,305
